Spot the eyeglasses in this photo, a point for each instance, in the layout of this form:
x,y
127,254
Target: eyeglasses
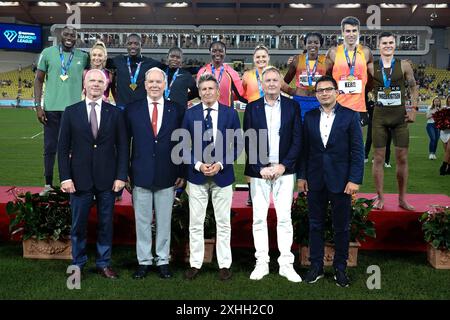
x,y
325,90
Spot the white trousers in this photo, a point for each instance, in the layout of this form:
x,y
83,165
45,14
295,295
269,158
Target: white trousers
x,y
282,192
198,202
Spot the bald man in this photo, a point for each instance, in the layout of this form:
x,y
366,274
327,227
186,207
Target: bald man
x,y
93,161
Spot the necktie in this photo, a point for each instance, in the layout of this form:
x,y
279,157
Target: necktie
x,y
209,137
209,126
93,119
155,118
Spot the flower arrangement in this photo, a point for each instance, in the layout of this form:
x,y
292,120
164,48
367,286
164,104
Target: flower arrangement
x,y
360,226
40,217
442,119
436,226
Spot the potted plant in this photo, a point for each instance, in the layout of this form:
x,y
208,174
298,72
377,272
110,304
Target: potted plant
x,y
436,228
180,230
360,228
42,222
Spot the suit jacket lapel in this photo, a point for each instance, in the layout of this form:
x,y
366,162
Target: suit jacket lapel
x,y
167,109
316,127
336,120
82,110
105,116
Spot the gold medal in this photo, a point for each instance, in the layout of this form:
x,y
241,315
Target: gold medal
x,y
387,90
64,77
133,86
350,78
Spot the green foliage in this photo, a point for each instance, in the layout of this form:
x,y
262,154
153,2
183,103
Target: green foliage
x,y
38,216
436,227
360,226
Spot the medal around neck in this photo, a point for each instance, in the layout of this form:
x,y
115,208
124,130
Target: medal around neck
x,y
133,86
64,77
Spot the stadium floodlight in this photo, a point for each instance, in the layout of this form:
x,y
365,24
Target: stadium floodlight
x,y
348,6
393,6
89,4
132,4
176,5
48,4
436,6
300,6
9,3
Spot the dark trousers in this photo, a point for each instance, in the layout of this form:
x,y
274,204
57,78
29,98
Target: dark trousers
x,y
340,215
433,133
51,132
81,202
368,145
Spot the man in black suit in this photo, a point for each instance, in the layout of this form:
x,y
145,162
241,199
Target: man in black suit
x,y
330,171
93,161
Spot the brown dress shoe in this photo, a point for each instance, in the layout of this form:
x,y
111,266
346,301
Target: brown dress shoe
x,y
108,272
225,274
191,273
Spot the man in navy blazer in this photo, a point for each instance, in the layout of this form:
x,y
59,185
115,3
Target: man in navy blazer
x,y
271,161
93,161
216,143
331,170
153,174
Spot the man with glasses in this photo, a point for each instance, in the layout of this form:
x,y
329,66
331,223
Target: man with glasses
x,y
331,170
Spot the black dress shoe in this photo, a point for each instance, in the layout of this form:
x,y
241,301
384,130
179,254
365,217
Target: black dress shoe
x,y
107,272
164,271
141,271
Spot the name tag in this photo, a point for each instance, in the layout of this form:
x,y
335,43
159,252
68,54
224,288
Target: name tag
x,y
349,87
393,98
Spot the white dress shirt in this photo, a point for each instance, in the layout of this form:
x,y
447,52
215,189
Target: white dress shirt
x,y
160,111
326,122
214,113
98,106
273,120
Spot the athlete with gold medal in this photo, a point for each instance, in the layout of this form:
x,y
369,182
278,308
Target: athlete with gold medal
x,y
389,90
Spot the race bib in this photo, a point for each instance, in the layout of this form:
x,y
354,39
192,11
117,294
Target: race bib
x,y
350,86
389,96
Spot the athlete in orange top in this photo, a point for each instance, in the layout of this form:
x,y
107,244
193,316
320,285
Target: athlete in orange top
x,y
307,68
350,72
252,79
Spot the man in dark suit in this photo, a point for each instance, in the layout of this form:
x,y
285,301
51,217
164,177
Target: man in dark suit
x,y
153,175
271,162
93,161
209,162
331,170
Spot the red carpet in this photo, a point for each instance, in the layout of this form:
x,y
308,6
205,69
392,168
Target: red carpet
x,y
396,228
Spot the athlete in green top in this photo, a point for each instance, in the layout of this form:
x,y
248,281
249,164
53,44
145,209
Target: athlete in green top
x,y
61,68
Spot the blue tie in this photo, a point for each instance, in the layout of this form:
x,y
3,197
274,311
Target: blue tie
x,y
209,137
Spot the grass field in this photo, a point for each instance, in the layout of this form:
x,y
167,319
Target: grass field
x,y
403,275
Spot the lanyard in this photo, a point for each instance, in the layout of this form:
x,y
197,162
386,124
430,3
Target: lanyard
x,y
309,73
261,91
133,79
351,65
175,75
387,78
65,67
213,69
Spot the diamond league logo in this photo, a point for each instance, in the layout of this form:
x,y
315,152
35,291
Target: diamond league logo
x,y
10,35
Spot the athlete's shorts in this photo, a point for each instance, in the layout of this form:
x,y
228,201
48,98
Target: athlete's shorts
x,y
385,118
306,104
